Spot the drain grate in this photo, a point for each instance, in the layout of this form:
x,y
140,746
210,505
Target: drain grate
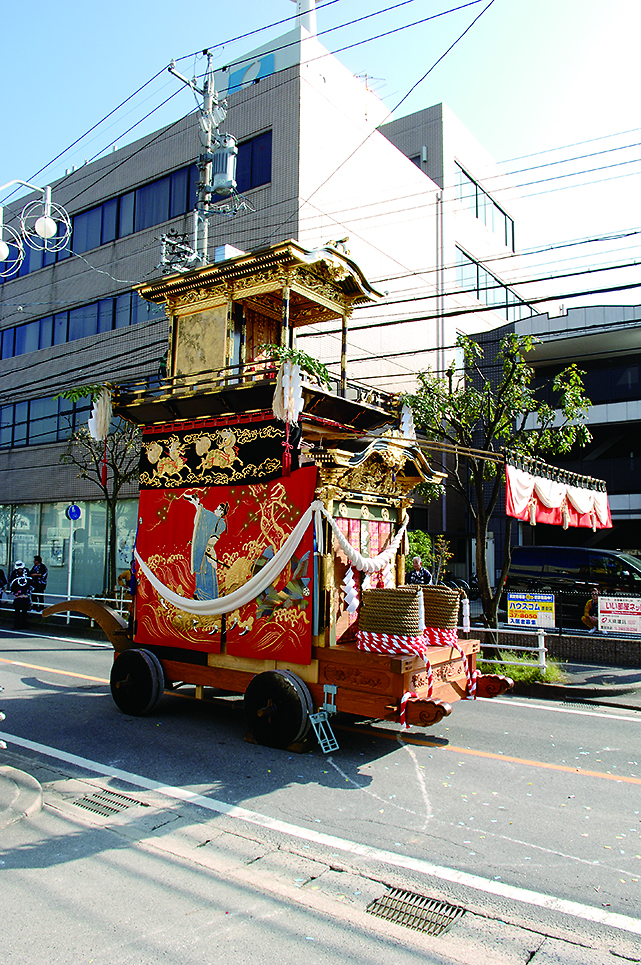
x,y
107,803
416,911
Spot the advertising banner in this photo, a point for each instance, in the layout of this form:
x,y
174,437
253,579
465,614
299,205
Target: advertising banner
x,y
620,613
530,610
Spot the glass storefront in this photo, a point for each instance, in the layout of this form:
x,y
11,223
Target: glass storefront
x,y
74,551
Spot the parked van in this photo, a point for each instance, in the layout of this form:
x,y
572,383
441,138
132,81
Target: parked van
x,y
570,572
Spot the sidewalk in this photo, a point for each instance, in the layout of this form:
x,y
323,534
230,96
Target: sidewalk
x,y
609,686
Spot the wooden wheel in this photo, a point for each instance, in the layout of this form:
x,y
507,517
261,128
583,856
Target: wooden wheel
x,y
137,681
277,706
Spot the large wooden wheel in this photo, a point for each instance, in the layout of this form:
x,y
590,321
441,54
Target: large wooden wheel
x,y
277,707
137,681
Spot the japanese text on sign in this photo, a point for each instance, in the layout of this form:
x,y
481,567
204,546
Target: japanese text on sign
x,y
622,613
530,609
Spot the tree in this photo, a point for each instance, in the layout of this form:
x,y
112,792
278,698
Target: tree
x,y
121,454
504,414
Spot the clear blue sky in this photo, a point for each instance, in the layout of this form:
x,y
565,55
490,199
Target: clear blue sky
x,y
530,76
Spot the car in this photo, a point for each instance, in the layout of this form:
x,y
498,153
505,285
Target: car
x,y
570,572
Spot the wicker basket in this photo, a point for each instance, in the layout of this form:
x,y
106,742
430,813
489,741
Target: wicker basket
x,y
395,611
441,606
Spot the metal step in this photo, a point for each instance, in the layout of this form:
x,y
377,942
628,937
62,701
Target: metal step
x,y
324,732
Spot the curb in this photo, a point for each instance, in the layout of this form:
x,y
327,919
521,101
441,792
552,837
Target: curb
x,y
20,796
572,692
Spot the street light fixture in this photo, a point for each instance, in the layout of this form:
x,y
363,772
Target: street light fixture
x,y
43,226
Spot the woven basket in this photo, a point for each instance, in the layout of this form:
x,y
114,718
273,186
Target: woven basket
x,y
441,606
394,611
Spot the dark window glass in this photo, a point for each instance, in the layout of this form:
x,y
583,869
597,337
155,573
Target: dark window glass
x,y
105,315
83,321
147,310
20,421
126,218
6,426
123,310
60,328
36,259
49,258
416,160
27,338
109,220
87,229
63,253
567,562
46,332
81,412
527,561
152,204
179,187
24,266
254,163
625,382
7,343
43,421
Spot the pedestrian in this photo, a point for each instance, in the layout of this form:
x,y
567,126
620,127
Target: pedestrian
x,y
38,574
20,587
590,617
3,582
418,573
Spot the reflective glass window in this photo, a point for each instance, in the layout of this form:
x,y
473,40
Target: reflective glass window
x,y
36,256
152,204
7,343
83,321
254,164
6,426
60,328
87,229
126,214
27,338
65,419
192,196
123,310
25,531
24,265
179,186
62,254
43,421
567,561
81,411
105,315
49,258
20,423
46,332
109,221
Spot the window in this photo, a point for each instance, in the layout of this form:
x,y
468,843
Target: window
x,y
254,165
83,321
482,206
87,229
41,421
474,279
152,204
27,338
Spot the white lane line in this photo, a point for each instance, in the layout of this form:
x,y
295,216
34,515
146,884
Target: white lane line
x,y
497,888
381,800
565,710
48,636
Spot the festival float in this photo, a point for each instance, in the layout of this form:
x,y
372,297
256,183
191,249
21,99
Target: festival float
x,y
269,557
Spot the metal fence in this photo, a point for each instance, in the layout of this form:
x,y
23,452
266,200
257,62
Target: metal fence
x,y
120,602
540,649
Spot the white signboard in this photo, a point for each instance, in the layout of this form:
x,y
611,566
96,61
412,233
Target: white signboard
x,y
530,609
620,613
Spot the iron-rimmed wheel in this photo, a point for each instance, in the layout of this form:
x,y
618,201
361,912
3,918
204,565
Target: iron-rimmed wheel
x,y
137,681
277,706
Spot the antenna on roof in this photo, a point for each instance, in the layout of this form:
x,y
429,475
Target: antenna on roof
x,y
216,164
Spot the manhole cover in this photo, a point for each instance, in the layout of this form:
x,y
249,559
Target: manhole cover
x,y
107,803
415,911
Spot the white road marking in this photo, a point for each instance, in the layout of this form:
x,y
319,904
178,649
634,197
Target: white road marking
x,y
421,782
498,888
565,710
381,800
48,636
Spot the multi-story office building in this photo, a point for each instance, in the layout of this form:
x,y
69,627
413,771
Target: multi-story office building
x,y
318,163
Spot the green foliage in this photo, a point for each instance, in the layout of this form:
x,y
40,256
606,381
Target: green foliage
x,y
307,362
527,672
81,392
420,545
504,413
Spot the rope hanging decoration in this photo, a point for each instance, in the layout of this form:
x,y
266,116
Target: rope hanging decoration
x,y
98,425
287,405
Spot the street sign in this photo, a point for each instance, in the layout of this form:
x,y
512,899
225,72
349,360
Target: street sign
x,y
620,613
73,512
530,609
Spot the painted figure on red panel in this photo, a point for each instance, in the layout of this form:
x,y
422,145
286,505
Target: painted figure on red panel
x,y
208,528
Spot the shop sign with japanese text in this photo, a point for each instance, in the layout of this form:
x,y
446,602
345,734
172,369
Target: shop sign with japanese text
x,y
620,613
530,609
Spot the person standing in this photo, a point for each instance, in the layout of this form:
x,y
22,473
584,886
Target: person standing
x,y
418,573
20,587
38,574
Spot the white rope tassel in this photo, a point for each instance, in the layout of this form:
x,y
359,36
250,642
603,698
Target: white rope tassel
x,y
288,399
364,563
466,614
350,591
101,414
408,429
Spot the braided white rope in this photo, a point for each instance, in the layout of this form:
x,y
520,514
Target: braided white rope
x,y
366,564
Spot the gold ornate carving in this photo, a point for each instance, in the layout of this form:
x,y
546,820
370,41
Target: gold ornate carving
x,y
353,677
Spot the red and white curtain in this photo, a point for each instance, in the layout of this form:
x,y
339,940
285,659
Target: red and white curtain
x,y
538,500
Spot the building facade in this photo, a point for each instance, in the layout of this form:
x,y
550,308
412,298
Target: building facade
x,y
319,162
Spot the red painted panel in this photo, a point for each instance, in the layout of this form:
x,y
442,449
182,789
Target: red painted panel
x,y
200,554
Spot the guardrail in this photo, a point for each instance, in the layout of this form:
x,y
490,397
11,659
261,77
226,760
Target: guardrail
x,y
119,602
540,650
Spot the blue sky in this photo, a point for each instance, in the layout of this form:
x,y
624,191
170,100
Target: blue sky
x,y
530,76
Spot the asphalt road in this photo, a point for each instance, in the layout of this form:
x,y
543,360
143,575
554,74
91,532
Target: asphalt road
x,y
503,795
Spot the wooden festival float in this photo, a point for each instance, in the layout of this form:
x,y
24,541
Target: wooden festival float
x,y
269,557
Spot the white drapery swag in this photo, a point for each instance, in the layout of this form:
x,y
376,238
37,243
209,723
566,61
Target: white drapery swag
x,y
270,572
526,488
